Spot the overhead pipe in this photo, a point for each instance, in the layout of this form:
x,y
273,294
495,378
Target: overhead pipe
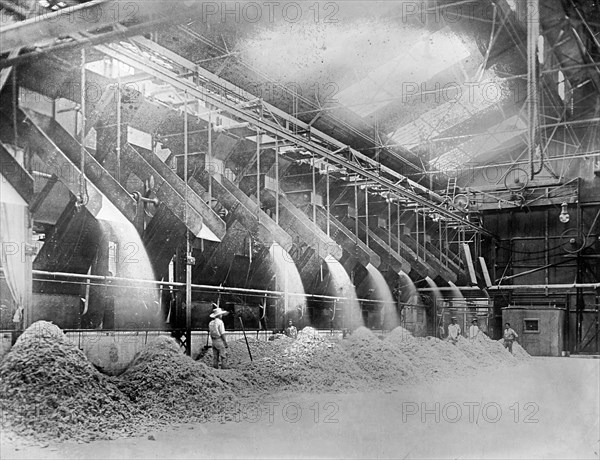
x,y
546,286
171,284
447,288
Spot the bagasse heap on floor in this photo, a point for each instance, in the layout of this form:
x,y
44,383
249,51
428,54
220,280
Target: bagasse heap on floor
x,y
168,385
313,363
49,390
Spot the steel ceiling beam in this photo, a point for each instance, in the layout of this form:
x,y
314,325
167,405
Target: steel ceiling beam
x,y
274,111
274,128
79,18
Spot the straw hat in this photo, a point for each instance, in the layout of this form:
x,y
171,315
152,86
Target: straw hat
x,y
218,312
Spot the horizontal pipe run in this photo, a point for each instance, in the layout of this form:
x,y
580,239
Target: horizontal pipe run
x,y
444,288
546,286
206,287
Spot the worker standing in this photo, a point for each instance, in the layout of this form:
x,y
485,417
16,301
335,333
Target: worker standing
x,y
509,337
216,329
291,330
453,331
474,330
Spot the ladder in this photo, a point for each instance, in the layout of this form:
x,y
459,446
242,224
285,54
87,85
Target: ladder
x,y
451,189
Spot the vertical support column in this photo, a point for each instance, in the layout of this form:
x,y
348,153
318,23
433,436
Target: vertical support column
x,y
356,209
546,254
533,32
258,138
209,158
424,236
389,221
258,147
179,269
567,325
30,250
277,181
440,241
328,198
580,302
15,103
314,191
463,238
28,269
417,230
398,226
286,299
367,216
82,182
597,302
100,295
188,256
446,242
118,149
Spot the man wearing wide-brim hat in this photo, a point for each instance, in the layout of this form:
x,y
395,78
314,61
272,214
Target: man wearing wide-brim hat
x,y
216,330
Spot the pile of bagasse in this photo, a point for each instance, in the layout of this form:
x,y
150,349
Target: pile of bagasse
x,y
49,389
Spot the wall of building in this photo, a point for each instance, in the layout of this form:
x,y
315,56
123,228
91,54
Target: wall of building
x,y
414,319
548,340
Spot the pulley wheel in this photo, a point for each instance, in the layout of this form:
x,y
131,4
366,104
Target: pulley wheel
x,y
572,240
516,179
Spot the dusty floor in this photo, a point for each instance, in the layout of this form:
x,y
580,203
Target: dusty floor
x,y
547,408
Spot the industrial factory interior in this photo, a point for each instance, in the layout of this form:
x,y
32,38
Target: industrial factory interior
x,y
312,229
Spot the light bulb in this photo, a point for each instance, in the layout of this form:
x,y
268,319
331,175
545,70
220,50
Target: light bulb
x,y
564,215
